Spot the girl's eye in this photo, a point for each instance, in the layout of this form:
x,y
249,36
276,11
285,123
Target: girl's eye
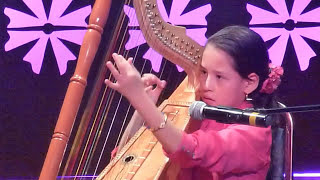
x,y
203,71
219,76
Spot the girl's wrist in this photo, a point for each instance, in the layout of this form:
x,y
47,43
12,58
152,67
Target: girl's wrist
x,y
145,107
160,126
139,100
136,97
131,93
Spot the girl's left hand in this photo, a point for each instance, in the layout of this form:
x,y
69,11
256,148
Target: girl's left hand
x,y
128,79
153,86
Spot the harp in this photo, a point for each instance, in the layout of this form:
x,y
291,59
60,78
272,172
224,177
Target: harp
x,y
170,41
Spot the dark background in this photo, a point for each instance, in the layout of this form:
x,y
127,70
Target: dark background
x,y
30,103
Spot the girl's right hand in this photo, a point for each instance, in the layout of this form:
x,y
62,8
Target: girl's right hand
x,y
128,79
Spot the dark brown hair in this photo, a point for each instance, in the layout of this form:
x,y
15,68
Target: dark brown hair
x,y
250,55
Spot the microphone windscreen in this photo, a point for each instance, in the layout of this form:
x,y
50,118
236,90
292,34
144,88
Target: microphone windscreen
x,y
195,110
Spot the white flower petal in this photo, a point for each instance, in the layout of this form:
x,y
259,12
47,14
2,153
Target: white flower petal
x,y
177,8
36,54
76,18
18,38
162,10
198,35
37,8
180,69
136,39
261,16
57,9
62,53
278,49
131,13
281,8
297,8
155,59
309,32
194,17
268,33
19,19
311,16
303,50
75,36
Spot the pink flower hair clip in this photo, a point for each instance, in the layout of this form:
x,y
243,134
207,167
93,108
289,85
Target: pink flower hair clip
x,y
274,79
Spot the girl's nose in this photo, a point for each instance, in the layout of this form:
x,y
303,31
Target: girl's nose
x,y
208,83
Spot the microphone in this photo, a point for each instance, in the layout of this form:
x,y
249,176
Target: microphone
x,y
200,110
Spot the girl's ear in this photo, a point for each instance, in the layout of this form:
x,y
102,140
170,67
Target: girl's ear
x,y
251,83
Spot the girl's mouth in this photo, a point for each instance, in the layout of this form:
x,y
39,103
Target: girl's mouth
x,y
208,101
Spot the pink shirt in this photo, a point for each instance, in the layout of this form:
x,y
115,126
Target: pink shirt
x,y
224,151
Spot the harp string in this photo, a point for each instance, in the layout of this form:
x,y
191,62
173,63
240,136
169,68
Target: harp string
x,y
128,109
128,166
103,110
127,137
103,116
98,122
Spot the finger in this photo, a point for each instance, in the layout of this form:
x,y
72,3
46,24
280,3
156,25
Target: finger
x,y
155,94
113,69
163,84
149,88
159,88
112,85
121,58
145,79
130,60
118,59
122,63
149,79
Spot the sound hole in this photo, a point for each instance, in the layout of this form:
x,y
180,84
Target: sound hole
x,y
128,158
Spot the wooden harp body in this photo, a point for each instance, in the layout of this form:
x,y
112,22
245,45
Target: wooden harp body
x,y
142,157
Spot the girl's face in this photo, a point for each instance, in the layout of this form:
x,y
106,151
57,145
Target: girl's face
x,y
219,82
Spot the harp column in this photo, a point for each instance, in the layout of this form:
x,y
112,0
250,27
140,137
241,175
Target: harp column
x,y
72,100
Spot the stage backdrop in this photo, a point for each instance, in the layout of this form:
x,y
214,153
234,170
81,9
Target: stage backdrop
x,y
40,42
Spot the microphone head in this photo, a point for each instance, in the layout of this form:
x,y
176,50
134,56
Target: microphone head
x,y
195,110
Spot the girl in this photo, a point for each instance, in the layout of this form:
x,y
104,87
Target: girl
x,y
234,67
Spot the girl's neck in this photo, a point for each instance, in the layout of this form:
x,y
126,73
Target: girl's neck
x,y
245,104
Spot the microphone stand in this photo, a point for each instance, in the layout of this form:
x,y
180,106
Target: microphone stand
x,y
289,131
292,109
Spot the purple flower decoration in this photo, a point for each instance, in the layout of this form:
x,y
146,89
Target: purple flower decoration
x,y
194,17
277,50
36,54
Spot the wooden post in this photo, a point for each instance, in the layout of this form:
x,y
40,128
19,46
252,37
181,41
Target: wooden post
x,y
71,103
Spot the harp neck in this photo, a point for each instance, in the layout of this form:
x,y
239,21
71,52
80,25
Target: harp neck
x,y
170,41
